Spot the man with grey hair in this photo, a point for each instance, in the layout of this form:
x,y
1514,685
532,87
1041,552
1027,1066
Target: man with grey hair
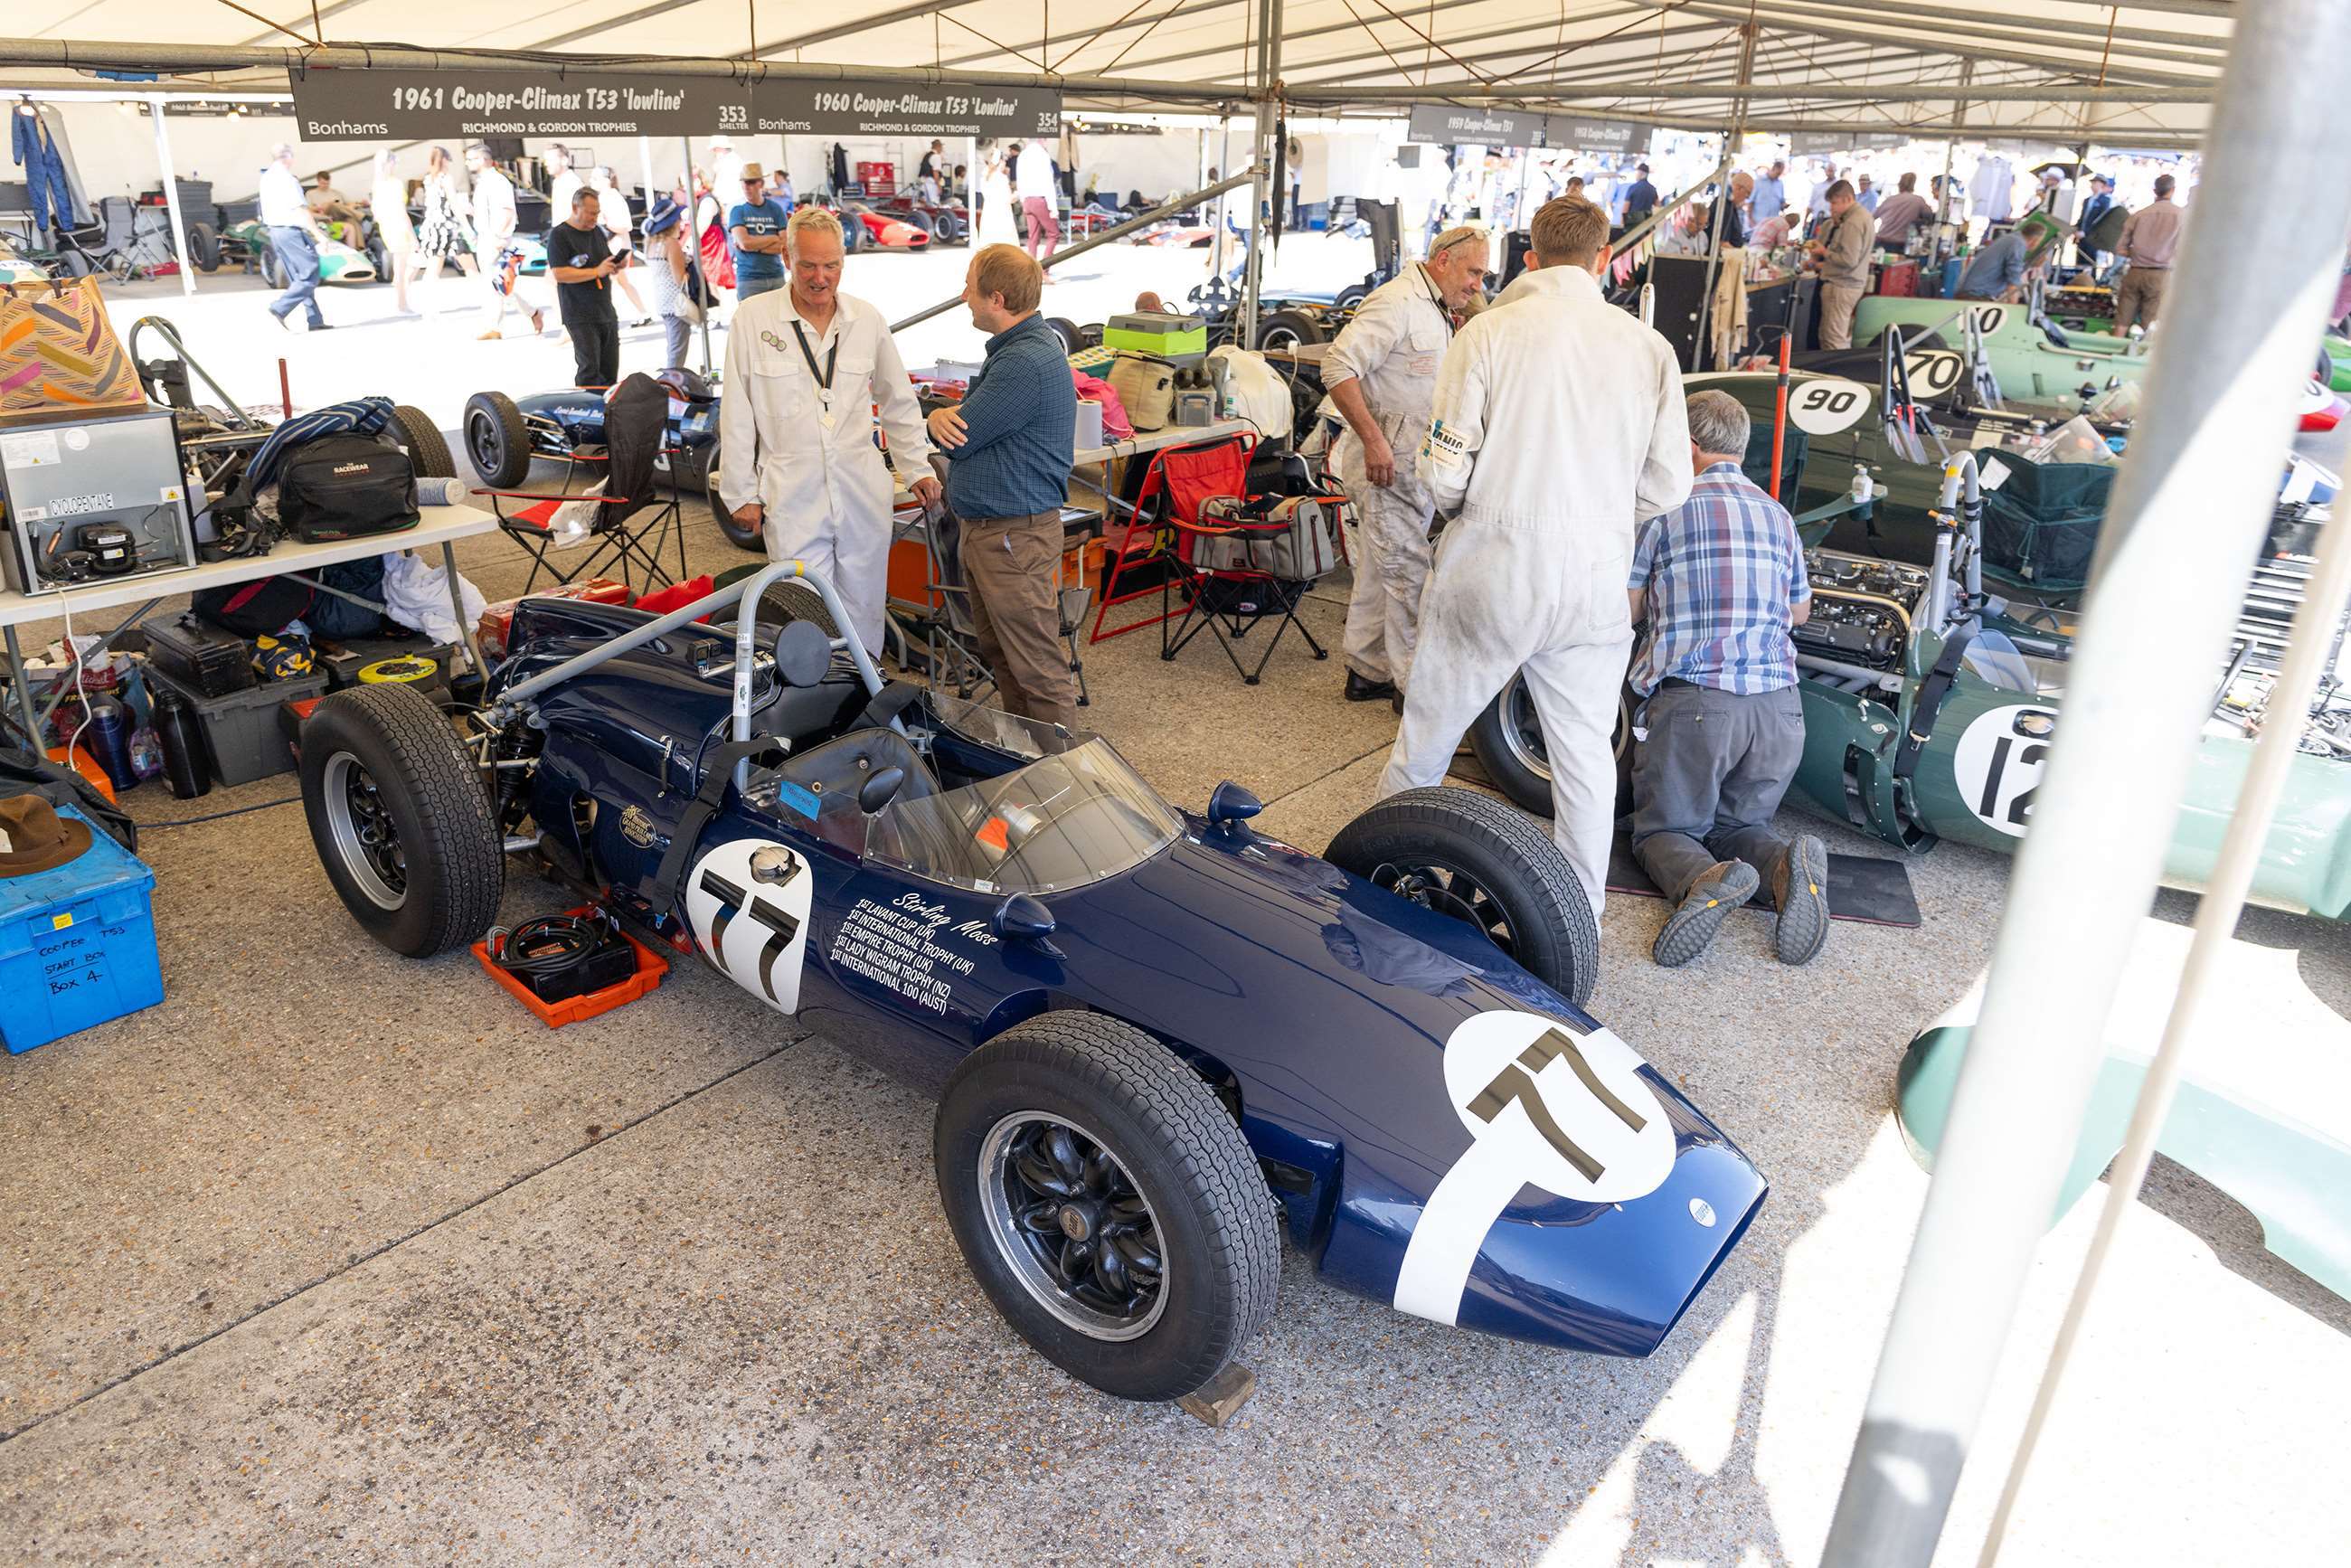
x,y
1720,581
294,237
1841,257
806,366
1381,373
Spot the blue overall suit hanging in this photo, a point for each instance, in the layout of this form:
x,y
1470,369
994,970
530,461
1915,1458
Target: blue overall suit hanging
x,y
45,169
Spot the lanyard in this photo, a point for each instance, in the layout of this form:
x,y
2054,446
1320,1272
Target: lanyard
x,y
1437,297
823,378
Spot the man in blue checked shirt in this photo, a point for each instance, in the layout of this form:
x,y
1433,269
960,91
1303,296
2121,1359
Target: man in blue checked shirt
x,y
1720,580
1010,444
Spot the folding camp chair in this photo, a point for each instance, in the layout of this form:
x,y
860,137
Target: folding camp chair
x,y
950,640
1145,541
630,525
1243,558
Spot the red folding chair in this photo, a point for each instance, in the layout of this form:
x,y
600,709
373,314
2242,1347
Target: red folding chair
x,y
1177,481
1221,561
630,533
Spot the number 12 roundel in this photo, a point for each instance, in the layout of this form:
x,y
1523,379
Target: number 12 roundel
x,y
1998,763
1545,1104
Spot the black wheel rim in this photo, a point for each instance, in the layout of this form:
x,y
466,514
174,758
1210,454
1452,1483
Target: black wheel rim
x,y
484,443
366,839
1448,890
1069,1220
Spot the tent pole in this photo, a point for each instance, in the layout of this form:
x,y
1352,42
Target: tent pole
x,y
1730,140
1268,66
692,222
172,196
2188,517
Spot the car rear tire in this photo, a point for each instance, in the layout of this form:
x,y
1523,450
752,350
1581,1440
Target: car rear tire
x,y
793,600
273,271
1072,1151
1471,857
399,819
428,451
742,536
1508,741
203,246
498,440
1067,330
1289,329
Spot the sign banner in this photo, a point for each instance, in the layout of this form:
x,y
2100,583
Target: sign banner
x,y
917,109
418,105
1588,135
1449,125
1806,143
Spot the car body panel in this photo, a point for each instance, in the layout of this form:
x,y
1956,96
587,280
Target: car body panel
x,y
2029,367
1331,1007
564,422
2263,1111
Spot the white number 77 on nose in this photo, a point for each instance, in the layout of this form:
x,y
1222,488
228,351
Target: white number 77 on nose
x,y
1545,1104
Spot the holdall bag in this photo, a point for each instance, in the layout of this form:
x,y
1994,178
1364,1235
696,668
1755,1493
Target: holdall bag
x,y
1146,385
346,487
58,350
1293,537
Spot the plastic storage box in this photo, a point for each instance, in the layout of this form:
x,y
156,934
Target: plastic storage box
x,y
77,944
241,730
1182,339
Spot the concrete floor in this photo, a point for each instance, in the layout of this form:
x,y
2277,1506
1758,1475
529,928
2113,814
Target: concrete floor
x,y
340,1258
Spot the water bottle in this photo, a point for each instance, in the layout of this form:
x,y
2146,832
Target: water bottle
x,y
109,741
185,768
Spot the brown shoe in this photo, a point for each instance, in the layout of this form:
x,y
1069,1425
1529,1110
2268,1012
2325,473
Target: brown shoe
x,y
1722,888
1799,890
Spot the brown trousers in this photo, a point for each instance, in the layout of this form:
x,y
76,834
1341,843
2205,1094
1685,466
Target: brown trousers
x,y
2139,297
1016,613
1837,303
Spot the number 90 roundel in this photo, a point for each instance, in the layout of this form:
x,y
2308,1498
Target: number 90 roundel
x,y
1827,404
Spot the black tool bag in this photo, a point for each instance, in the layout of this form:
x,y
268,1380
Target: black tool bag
x,y
346,487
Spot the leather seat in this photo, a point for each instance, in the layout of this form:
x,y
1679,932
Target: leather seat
x,y
838,768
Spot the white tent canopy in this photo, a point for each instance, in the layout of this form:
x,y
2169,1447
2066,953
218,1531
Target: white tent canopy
x,y
2061,71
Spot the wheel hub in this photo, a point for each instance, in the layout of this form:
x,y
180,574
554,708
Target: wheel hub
x,y
1065,1215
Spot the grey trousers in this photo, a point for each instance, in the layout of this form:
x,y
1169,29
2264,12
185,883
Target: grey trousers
x,y
1708,781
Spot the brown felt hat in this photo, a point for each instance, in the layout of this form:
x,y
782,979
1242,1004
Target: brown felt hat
x,y
32,837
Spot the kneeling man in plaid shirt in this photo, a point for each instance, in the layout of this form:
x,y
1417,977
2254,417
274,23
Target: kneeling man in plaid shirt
x,y
1721,580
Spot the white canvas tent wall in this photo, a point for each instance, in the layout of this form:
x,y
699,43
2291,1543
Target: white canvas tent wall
x,y
2061,70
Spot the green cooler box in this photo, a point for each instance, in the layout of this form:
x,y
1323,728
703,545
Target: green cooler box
x,y
1182,340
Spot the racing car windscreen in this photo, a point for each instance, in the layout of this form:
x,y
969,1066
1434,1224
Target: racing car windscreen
x,y
1005,732
1060,822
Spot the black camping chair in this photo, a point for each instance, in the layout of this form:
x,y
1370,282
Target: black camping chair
x,y
634,518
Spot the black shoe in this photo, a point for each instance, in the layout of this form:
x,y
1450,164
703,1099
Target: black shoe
x,y
1799,887
1722,888
1360,690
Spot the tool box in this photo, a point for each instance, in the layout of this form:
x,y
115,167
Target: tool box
x,y
1181,338
201,657
77,944
241,728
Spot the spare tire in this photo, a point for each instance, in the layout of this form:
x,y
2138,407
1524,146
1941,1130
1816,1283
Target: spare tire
x,y
428,452
400,820
1289,329
203,246
1509,742
1471,857
498,440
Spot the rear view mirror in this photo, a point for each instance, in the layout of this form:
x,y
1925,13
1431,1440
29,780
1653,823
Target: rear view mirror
x,y
1229,803
878,789
1024,916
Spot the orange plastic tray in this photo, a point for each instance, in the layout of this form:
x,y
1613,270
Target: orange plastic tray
x,y
651,967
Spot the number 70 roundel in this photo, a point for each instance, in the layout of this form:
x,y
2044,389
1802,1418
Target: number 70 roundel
x,y
1546,1104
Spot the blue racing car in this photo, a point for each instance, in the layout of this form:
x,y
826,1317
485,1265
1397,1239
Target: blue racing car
x,y
503,437
1157,1038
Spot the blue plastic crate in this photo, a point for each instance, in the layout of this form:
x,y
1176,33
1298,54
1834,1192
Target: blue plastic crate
x,y
77,944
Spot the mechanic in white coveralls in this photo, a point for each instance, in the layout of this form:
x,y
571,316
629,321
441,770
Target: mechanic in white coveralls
x,y
806,366
1381,374
1557,428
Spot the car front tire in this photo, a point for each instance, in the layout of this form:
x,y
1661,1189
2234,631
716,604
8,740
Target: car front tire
x,y
1474,859
498,440
400,820
1107,1203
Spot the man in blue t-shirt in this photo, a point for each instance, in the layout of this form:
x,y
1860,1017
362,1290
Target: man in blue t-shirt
x,y
754,233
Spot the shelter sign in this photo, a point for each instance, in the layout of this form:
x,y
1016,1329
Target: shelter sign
x,y
1449,125
415,106
1804,143
1588,135
793,106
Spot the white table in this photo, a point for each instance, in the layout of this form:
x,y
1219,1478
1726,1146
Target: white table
x,y
442,526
